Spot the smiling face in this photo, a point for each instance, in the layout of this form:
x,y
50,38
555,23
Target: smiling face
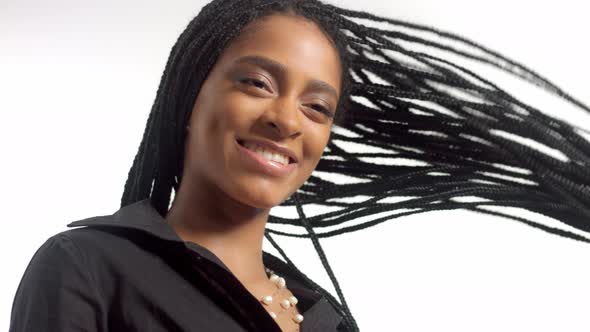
x,y
277,83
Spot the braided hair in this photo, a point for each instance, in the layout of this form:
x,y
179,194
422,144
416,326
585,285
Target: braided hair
x,y
414,132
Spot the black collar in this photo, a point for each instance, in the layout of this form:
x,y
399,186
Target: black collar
x,y
142,216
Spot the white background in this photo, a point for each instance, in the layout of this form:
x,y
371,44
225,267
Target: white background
x,y
77,81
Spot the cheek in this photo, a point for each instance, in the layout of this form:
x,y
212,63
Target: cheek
x,y
242,109
315,144
207,128
217,115
208,124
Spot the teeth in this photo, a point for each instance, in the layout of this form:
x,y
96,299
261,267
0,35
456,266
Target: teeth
x,y
268,154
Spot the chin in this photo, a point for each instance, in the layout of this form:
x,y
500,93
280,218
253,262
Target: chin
x,y
264,205
265,202
259,194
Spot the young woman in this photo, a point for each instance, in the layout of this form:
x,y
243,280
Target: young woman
x,y
247,109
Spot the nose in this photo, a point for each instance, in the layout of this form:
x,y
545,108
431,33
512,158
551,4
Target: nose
x,y
284,118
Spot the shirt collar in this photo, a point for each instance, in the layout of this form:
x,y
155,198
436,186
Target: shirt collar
x,y
140,215
144,217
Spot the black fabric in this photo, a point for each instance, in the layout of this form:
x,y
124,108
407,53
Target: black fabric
x,y
130,271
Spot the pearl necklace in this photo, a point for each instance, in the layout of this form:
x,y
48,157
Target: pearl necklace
x,y
285,303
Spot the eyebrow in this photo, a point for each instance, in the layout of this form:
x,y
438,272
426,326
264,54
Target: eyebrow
x,y
277,67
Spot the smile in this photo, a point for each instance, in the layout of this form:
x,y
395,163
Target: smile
x,y
267,153
263,159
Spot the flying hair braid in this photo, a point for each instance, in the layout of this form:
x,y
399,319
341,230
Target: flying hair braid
x,y
414,132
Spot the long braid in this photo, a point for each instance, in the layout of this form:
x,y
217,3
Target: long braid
x,y
414,131
575,146
316,243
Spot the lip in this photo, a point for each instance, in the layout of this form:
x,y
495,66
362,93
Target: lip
x,y
257,162
272,146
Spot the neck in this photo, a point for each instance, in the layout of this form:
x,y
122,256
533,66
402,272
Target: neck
x,y
230,229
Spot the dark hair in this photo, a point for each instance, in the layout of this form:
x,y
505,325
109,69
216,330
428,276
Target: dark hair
x,y
431,132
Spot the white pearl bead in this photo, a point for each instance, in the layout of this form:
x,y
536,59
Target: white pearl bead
x,y
285,303
272,314
298,318
273,278
293,300
267,299
281,283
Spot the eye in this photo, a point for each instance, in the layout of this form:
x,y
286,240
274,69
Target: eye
x,y
254,82
320,108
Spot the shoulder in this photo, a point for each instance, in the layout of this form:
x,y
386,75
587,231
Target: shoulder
x,y
63,254
71,246
55,288
76,252
58,250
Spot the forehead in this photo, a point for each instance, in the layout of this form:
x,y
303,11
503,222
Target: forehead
x,y
297,43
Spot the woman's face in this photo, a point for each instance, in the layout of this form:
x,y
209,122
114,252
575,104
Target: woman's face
x,y
277,83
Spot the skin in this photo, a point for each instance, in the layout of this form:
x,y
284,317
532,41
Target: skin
x,y
221,204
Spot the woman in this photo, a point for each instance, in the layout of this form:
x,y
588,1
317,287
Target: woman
x,y
256,131
245,74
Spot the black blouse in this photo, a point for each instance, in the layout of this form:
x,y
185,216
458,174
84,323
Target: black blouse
x,y
130,271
